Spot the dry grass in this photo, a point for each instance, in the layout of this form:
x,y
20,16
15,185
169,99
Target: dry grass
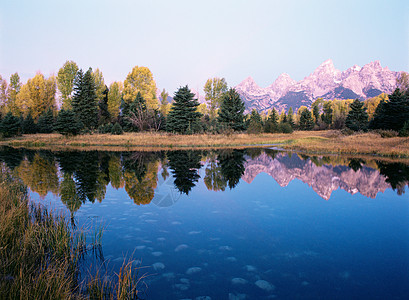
x,y
329,141
361,143
145,140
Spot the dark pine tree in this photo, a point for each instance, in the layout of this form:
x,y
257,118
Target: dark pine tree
x,y
306,121
123,116
183,116
103,114
10,125
357,118
326,116
46,122
271,125
28,126
116,129
256,123
290,118
67,123
392,114
137,114
316,112
84,102
231,111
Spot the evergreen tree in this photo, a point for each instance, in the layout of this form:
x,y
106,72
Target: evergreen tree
x,y
306,121
326,116
84,101
135,116
271,125
116,129
290,117
10,125
67,123
46,122
123,120
357,118
183,116
392,114
231,111
103,114
28,126
283,117
316,112
256,123
405,129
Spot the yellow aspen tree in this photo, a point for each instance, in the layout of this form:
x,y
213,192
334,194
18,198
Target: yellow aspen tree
x,y
65,81
12,92
114,99
3,95
140,79
23,102
99,84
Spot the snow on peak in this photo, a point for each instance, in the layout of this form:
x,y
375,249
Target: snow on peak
x,y
248,80
282,83
373,65
355,68
327,67
248,85
327,62
324,81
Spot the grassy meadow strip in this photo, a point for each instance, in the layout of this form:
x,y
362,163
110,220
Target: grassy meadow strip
x,y
357,144
328,141
40,254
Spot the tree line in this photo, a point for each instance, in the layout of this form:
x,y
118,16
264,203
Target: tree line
x,y
86,104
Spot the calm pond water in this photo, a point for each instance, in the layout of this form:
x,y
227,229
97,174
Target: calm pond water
x,y
236,224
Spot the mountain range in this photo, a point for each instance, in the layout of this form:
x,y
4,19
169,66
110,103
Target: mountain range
x,y
325,82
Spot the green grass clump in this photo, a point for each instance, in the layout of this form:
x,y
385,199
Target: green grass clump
x,y
40,253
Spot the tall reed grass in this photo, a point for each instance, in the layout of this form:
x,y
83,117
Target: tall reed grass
x,y
40,253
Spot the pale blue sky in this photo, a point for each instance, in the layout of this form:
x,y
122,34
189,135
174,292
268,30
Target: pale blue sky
x,y
186,42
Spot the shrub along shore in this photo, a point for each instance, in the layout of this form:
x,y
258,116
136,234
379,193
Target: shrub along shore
x,y
377,143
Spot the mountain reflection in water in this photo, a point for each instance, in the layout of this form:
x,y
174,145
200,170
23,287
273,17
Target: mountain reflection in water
x,y
80,176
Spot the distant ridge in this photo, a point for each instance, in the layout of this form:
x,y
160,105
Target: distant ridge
x,y
325,82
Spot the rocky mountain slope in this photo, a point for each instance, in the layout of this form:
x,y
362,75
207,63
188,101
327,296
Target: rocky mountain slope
x,y
325,82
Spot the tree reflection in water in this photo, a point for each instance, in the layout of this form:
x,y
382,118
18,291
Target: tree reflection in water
x,y
140,173
397,175
231,166
185,166
80,176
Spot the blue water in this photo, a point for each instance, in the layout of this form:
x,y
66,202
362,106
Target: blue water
x,y
261,240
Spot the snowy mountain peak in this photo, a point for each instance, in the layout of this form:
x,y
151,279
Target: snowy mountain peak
x,y
284,77
248,85
374,66
355,68
248,81
282,83
326,82
328,62
326,67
